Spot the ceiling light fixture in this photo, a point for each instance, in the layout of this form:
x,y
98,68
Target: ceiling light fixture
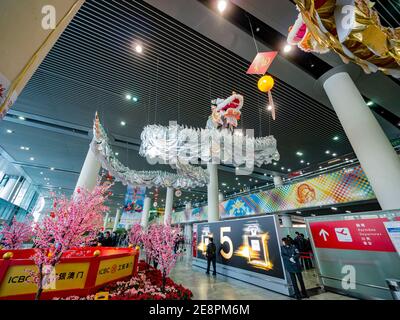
x,y
135,99
9,131
222,4
269,107
327,152
117,153
138,48
334,154
301,161
52,169
128,97
21,118
370,103
287,48
123,123
32,158
335,138
299,153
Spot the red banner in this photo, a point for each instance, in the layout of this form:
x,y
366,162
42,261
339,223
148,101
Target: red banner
x,y
361,234
262,62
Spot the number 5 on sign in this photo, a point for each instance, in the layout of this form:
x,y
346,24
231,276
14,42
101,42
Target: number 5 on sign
x,y
224,239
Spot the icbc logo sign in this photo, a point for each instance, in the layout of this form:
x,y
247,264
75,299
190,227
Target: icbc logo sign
x,y
113,269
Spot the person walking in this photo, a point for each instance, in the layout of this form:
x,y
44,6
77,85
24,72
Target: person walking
x,y
211,254
291,255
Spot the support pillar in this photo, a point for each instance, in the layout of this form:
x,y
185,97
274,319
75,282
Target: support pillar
x,y
117,219
278,181
286,221
144,222
212,192
221,197
89,172
377,157
9,187
168,205
106,220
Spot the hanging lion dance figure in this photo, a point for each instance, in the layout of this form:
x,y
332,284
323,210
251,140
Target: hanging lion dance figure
x,y
352,29
226,113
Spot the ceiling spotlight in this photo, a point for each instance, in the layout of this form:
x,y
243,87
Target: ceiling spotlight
x,y
21,118
287,48
289,170
257,29
128,97
282,168
236,178
370,103
348,211
117,154
135,99
222,4
308,163
265,174
123,123
327,152
32,158
256,181
275,163
334,208
52,168
9,131
335,138
299,153
269,108
139,48
334,154
41,172
301,161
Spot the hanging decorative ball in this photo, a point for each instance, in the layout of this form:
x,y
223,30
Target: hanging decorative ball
x,y
52,214
8,255
266,83
137,248
178,193
130,245
97,253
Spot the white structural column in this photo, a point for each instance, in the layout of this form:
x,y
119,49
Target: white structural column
x,y
117,219
106,220
221,197
212,192
286,221
89,172
9,187
278,181
377,157
168,205
144,222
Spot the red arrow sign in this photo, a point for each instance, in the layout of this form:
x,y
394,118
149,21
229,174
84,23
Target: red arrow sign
x,y
361,234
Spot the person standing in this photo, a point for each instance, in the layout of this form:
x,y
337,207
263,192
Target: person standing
x,y
211,254
291,260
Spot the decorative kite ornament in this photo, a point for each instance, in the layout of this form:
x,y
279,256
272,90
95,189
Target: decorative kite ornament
x,y
265,84
352,29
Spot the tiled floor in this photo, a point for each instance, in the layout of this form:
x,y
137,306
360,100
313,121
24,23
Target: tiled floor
x,y
213,288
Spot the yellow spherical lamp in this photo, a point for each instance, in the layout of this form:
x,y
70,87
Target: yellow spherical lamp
x,y
97,253
266,83
8,255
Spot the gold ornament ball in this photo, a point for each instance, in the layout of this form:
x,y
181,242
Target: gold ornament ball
x,y
130,245
8,255
97,253
137,248
99,244
266,83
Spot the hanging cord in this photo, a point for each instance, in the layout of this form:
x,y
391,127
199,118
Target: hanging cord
x,y
179,91
260,115
252,34
156,105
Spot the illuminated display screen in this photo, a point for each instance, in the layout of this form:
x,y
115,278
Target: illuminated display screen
x,y
250,244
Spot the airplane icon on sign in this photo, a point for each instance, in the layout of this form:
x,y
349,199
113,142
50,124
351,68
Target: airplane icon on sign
x,y
343,235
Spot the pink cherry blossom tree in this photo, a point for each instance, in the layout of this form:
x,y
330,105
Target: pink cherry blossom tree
x,y
160,241
14,235
136,234
73,223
